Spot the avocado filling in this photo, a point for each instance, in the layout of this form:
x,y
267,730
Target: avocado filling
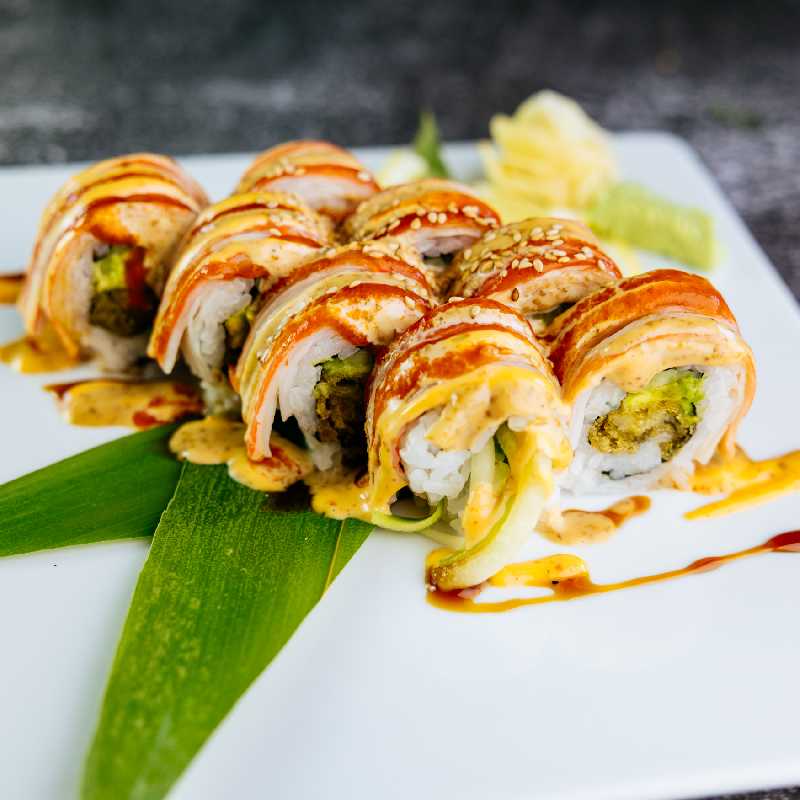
x,y
664,411
237,328
339,402
122,302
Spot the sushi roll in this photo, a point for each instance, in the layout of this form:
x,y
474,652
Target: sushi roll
x,y
465,411
539,267
311,349
330,179
102,254
234,251
658,377
438,217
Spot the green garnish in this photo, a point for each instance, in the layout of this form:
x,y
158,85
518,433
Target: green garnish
x,y
427,143
339,399
636,215
666,410
228,579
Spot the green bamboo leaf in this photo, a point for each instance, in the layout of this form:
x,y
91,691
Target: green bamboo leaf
x,y
229,578
115,491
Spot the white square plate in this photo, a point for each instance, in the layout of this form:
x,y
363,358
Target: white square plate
x,y
674,690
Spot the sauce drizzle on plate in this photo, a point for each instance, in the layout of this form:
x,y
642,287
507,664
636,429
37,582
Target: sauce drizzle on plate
x,y
567,576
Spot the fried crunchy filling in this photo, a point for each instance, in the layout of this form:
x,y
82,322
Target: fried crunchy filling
x,y
237,328
664,411
339,404
122,302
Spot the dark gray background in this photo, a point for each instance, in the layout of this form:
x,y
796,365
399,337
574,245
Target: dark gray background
x,y
80,80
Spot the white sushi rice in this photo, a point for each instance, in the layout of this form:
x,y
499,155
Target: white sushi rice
x,y
592,471
431,471
296,380
203,343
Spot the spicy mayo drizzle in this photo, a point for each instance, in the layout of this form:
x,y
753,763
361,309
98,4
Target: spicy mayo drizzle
x,y
215,440
747,482
92,403
10,287
567,576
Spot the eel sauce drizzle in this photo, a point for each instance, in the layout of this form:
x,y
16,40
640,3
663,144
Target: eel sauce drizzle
x,y
567,577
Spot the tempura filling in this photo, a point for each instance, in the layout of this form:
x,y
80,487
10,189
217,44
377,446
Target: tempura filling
x,y
122,302
237,328
340,406
664,412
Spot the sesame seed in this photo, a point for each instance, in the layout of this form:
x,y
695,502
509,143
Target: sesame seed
x,y
558,242
560,253
442,218
515,263
564,259
524,262
517,237
364,176
538,264
393,225
474,311
416,224
433,217
515,295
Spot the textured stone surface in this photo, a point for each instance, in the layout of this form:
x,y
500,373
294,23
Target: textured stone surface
x,y
87,78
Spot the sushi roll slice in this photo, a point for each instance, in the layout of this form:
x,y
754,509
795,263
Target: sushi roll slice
x,y
311,349
539,267
102,254
234,251
438,217
465,411
658,377
330,179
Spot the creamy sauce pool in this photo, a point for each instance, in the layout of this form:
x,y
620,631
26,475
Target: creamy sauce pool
x,y
125,403
574,526
567,577
215,440
341,498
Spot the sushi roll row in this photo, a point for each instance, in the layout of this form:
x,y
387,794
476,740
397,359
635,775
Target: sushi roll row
x,y
421,348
